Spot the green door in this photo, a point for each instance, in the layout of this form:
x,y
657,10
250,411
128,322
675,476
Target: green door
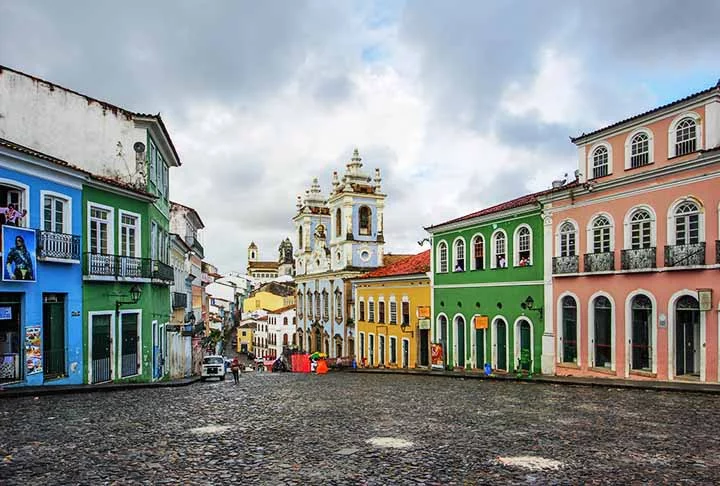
x,y
525,351
460,326
479,349
54,335
101,355
501,345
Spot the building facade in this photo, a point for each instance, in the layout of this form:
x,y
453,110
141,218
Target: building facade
x,y
41,302
282,324
338,238
245,337
269,297
392,312
262,271
488,287
635,252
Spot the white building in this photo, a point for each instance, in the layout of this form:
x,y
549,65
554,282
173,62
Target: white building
x,y
281,327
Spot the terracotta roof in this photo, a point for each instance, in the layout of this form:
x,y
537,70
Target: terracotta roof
x,y
507,205
716,87
263,265
49,158
104,104
419,263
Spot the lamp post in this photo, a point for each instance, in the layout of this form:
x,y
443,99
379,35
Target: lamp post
x,y
529,304
135,294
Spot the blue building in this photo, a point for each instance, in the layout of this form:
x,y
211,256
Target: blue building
x,y
338,238
41,283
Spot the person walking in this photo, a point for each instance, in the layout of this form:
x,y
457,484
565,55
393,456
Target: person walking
x,y
235,368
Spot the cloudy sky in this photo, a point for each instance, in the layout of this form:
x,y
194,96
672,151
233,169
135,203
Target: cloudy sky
x,y
462,104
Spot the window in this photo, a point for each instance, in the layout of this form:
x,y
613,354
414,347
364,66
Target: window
x,y
318,305
381,350
568,238
381,311
641,308
371,311
129,230
442,257
640,230
361,311
523,244
685,137
601,235
500,255
602,307
569,330
338,222
478,253
405,313
300,237
338,304
601,162
687,224
100,230
459,255
639,150
309,305
153,240
152,155
365,226
393,350
326,305
54,213
393,311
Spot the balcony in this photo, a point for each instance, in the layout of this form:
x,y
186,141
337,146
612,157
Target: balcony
x,y
195,246
599,262
179,300
566,264
163,272
116,266
58,247
638,259
685,255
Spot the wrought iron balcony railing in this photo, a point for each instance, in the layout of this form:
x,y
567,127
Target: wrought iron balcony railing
x,y
117,266
599,262
163,271
58,246
179,300
566,264
638,259
197,248
685,255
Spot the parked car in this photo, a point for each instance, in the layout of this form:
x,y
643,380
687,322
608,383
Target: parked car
x,y
213,367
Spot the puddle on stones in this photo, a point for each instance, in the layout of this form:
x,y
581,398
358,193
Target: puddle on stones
x,y
389,442
531,463
210,429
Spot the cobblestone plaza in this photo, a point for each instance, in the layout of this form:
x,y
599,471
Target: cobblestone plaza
x,y
346,428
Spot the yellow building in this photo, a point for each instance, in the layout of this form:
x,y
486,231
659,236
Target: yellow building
x,y
244,337
392,307
271,296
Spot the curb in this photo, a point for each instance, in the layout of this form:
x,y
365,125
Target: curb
x,y
550,380
18,392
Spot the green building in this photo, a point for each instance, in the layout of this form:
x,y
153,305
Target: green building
x,y
488,280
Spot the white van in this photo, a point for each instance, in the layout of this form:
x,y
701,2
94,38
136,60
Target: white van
x,y
213,367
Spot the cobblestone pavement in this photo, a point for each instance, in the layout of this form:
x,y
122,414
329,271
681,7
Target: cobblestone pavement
x,y
345,428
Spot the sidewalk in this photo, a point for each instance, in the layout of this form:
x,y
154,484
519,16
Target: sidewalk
x,y
673,386
36,391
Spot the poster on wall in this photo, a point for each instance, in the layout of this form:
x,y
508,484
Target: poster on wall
x,y
33,354
19,254
436,353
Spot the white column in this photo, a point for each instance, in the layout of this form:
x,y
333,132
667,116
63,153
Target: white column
x,y
548,339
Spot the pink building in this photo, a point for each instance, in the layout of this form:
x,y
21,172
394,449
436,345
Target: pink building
x,y
634,250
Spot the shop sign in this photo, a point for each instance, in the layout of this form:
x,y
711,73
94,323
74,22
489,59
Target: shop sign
x,y
436,352
5,313
424,324
33,346
423,312
705,299
481,322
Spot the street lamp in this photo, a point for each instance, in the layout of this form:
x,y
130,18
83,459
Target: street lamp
x,y
529,304
135,294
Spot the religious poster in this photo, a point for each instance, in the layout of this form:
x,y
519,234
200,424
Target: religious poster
x,y
33,350
436,353
19,254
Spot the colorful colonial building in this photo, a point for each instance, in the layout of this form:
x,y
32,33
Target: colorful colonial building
x,y
488,280
339,238
392,306
634,250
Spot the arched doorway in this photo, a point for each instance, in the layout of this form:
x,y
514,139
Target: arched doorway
x,y
338,346
327,345
479,348
351,346
309,343
687,337
603,335
569,334
523,346
500,342
443,334
318,340
641,335
459,344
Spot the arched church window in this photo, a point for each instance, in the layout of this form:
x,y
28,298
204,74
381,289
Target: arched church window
x,y
338,222
365,226
300,237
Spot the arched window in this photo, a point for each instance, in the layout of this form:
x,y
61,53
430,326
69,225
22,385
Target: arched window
x,y
361,310
499,250
640,229
687,223
300,237
523,247
640,150
365,225
442,257
459,255
685,137
568,239
338,222
569,330
602,308
285,321
601,162
641,309
478,253
310,305
601,235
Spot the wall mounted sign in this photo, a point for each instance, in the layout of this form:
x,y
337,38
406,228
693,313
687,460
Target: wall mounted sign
x,y
19,254
33,347
75,314
5,313
705,299
481,322
424,324
423,312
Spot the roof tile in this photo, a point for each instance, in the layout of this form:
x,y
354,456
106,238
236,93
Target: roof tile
x,y
419,263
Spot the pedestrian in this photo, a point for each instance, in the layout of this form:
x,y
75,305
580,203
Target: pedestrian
x,y
235,368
